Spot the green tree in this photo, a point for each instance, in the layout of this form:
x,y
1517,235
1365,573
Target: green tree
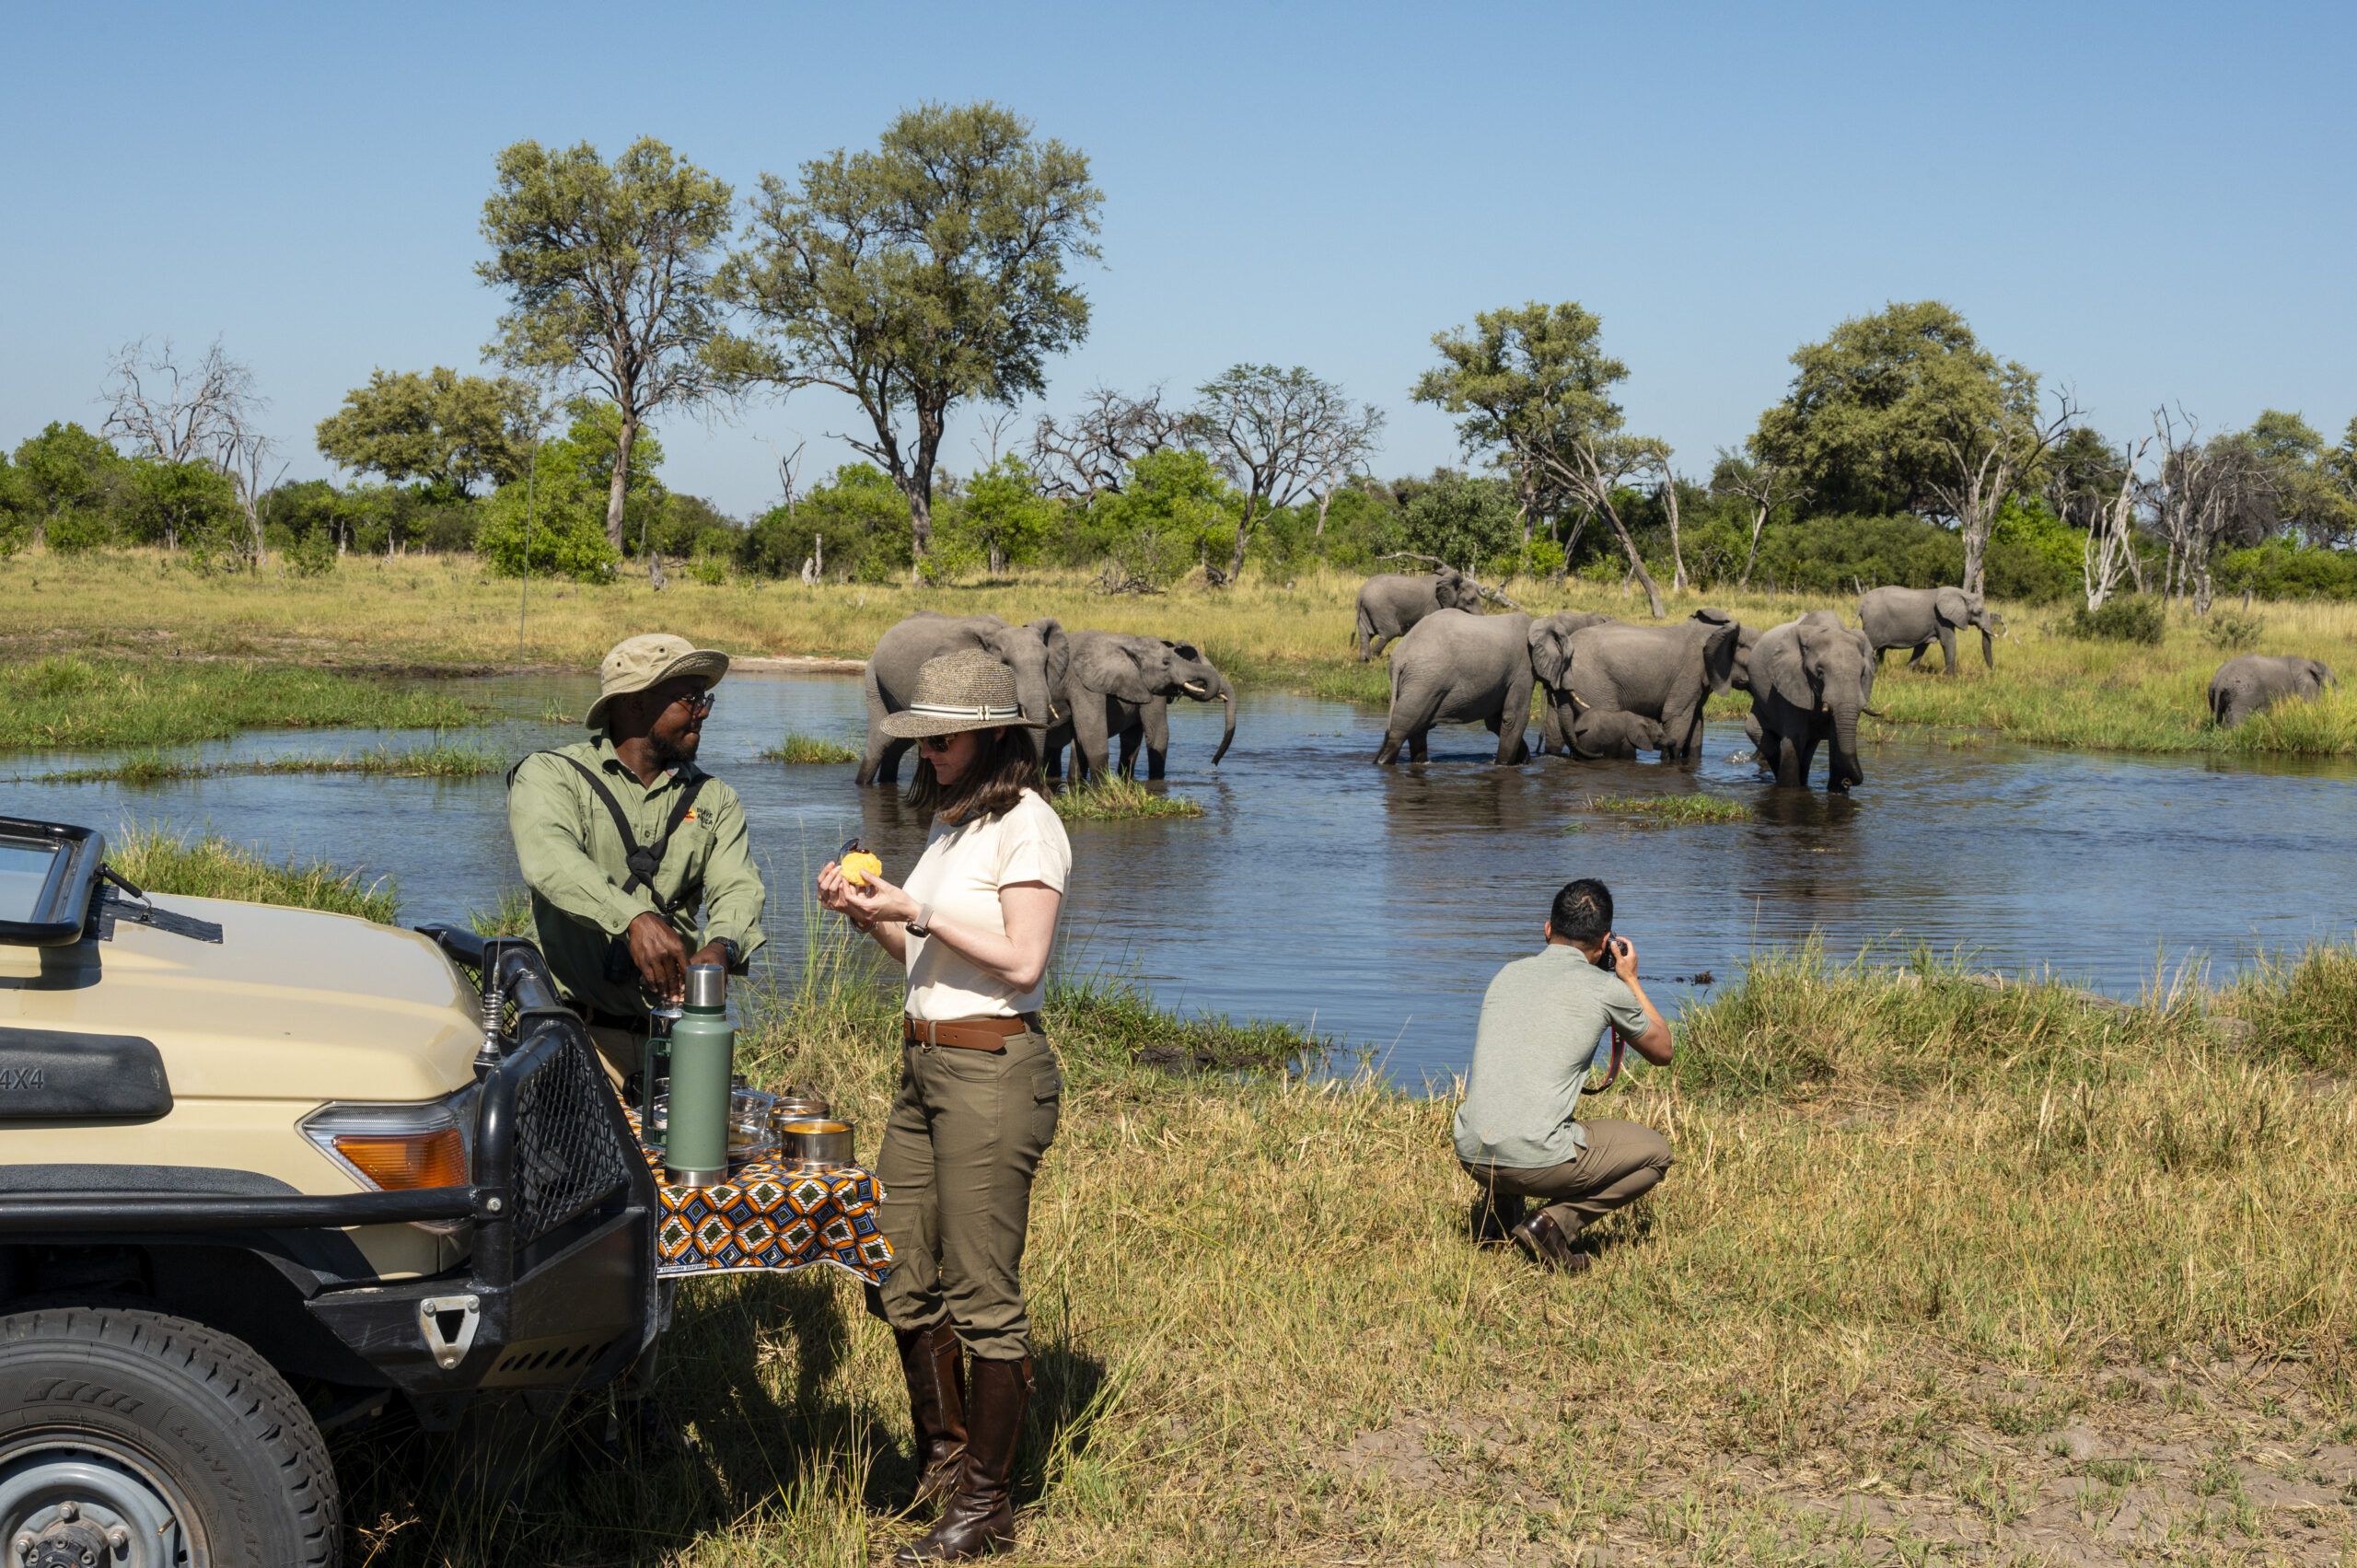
x,y
1001,518
1521,381
923,275
446,431
608,277
191,506
1173,510
16,510
67,476
2311,498
1461,521
552,521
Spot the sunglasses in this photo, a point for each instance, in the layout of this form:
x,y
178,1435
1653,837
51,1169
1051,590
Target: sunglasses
x,y
699,703
936,744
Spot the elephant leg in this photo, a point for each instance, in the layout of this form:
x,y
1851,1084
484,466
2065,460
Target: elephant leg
x,y
1514,748
1374,647
888,764
1680,732
1416,745
1947,649
1921,649
1792,764
871,760
1128,765
1091,737
1878,653
1394,736
1807,761
1158,738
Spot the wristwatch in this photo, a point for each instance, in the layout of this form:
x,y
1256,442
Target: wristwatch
x,y
728,946
923,924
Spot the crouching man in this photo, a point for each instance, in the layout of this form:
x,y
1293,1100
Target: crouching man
x,y
1518,1134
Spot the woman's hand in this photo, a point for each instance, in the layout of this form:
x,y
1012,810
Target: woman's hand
x,y
863,906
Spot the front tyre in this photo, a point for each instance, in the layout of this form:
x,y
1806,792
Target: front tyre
x,y
152,1441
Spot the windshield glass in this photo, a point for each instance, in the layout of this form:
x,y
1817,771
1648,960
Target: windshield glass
x,y
24,872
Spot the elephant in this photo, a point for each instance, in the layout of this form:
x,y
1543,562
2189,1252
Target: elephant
x,y
1546,639
1598,733
1910,618
1391,604
2252,683
1810,679
1455,666
1745,639
1666,673
1037,651
1117,684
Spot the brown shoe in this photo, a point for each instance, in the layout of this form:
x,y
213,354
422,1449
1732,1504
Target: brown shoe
x,y
979,1520
1544,1243
1493,1218
934,1366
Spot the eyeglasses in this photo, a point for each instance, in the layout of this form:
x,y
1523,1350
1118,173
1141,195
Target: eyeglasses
x,y
699,703
936,744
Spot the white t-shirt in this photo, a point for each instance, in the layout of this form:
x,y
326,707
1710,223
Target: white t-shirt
x,y
960,873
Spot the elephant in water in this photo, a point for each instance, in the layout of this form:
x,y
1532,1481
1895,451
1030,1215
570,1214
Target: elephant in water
x,y
1548,653
1910,618
1599,733
2245,686
1037,652
1391,604
1666,673
1117,684
1810,679
1458,667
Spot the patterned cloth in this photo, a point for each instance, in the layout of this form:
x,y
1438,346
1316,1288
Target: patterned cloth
x,y
766,1218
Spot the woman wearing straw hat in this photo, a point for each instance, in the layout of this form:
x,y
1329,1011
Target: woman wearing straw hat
x,y
980,1087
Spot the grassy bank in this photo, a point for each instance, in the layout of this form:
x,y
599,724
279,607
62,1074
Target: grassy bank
x,y
210,866
1669,810
73,702
442,760
1110,797
1946,1271
808,749
2048,687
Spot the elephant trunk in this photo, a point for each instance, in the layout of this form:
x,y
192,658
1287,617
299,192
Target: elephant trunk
x,y
1227,736
1988,645
1845,770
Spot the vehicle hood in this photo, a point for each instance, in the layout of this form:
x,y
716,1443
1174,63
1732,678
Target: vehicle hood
x,y
290,1005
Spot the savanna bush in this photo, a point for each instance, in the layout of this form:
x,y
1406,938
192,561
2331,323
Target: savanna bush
x,y
2124,618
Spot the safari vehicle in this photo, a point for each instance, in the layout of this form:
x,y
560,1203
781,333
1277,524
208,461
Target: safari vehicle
x,y
264,1171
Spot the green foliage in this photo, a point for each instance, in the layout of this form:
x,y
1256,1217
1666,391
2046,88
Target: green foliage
x,y
1524,381
798,748
1175,511
1671,810
920,276
2124,618
61,701
2231,631
189,507
2280,569
17,515
1843,554
1001,519
857,523
558,512
312,554
67,481
213,867
1464,521
711,571
1111,797
1870,407
445,431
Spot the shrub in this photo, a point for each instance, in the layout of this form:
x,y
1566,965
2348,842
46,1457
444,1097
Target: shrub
x,y
312,554
712,574
2125,618
2233,630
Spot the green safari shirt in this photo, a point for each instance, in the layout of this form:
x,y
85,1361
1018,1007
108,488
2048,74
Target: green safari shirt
x,y
573,861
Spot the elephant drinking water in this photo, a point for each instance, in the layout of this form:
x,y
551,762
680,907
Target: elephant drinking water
x,y
1455,666
1910,618
1810,679
1119,684
1037,652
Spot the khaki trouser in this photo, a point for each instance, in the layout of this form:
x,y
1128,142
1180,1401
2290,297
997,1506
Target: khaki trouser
x,y
620,1052
1622,1162
966,1131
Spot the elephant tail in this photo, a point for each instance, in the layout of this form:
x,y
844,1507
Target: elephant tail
x,y
1363,631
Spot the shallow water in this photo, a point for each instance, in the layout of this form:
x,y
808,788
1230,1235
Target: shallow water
x,y
1378,901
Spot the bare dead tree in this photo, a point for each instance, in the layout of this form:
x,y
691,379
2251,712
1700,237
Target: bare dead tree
x,y
2110,549
246,459
1660,453
2207,494
1591,468
1341,451
1272,432
1091,452
1765,485
1989,459
175,412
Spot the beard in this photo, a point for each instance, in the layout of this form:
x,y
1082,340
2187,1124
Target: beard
x,y
669,753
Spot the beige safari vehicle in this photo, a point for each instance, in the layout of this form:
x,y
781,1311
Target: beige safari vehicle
x,y
264,1172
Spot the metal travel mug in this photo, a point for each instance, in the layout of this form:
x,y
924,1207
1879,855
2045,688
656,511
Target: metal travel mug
x,y
703,1063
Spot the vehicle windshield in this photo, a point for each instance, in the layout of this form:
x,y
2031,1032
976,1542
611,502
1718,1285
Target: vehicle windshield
x,y
24,874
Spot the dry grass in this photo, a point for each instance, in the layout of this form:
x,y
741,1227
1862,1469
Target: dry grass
x,y
1982,1273
427,611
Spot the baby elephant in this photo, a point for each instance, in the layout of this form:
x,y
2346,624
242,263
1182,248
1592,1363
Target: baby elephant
x,y
1611,732
2257,682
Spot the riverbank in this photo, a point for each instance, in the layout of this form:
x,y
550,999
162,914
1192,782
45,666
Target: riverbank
x,y
1949,1269
426,613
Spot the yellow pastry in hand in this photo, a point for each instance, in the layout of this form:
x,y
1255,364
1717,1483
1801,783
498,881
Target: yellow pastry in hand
x,y
859,865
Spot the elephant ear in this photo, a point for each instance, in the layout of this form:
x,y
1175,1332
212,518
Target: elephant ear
x,y
1718,654
1052,632
1712,616
1550,655
1117,669
1952,607
1776,663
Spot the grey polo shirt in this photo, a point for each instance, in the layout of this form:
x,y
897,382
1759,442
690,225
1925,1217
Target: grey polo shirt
x,y
1540,1021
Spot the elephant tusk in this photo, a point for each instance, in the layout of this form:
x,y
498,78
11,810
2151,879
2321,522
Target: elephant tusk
x,y
1876,713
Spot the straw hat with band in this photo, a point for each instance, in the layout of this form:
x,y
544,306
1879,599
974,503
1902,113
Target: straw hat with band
x,y
967,690
641,664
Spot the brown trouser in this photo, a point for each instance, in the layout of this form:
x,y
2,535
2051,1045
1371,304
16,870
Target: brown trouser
x,y
965,1135
1622,1162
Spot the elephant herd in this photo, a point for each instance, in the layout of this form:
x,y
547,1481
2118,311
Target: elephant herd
x,y
1086,687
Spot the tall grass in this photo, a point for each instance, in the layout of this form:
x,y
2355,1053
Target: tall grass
x,y
1114,798
211,867
443,759
68,701
1672,810
798,748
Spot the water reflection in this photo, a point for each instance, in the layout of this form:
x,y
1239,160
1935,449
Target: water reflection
x,y
1378,901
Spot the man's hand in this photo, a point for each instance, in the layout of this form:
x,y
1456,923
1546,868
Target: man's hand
x,y
660,955
1624,957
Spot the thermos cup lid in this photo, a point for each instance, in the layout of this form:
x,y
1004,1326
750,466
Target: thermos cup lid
x,y
707,985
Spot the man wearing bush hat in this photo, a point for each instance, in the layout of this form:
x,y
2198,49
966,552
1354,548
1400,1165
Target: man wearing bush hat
x,y
624,841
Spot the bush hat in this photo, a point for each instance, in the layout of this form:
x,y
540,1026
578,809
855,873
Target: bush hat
x,y
638,663
966,689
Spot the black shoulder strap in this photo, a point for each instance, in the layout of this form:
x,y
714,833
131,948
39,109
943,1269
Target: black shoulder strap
x,y
643,862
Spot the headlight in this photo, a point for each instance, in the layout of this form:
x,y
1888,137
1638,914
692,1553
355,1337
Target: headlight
x,y
397,1148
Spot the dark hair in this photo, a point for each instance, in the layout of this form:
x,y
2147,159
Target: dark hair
x,y
1582,911
1005,765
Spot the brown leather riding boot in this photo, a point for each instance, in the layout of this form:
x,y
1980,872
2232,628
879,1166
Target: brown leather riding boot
x,y
979,1520
935,1365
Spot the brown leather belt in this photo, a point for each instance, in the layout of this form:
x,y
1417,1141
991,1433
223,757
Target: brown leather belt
x,y
968,1034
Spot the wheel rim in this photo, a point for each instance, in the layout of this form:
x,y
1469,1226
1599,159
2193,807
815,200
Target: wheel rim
x,y
70,1493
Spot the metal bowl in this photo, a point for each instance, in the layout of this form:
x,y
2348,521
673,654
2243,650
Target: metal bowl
x,y
815,1143
801,1104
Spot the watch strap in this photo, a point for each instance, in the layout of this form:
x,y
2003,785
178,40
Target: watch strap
x,y
923,924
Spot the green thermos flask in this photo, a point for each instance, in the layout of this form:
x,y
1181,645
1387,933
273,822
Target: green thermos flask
x,y
703,1067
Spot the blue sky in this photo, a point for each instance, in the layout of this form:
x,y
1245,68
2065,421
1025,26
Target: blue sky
x,y
2150,203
